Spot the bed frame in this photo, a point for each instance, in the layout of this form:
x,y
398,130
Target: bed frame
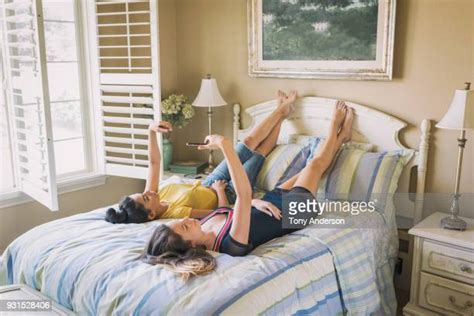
x,y
312,116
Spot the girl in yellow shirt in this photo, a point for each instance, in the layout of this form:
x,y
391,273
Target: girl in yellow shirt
x,y
197,200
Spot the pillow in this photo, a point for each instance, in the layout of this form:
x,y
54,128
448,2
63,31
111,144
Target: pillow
x,y
275,165
312,146
358,175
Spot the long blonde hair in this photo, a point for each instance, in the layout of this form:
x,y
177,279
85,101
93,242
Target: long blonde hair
x,y
168,249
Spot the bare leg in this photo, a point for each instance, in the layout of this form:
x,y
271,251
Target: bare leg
x,y
311,175
265,128
267,145
344,136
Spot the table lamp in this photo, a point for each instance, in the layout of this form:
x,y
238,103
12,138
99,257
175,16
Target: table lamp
x,y
460,116
209,96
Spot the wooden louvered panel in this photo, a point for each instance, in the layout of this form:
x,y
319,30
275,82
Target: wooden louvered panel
x,y
121,140
127,47
135,110
124,36
28,95
127,110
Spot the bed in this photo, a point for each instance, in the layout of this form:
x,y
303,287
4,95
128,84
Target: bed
x,y
90,266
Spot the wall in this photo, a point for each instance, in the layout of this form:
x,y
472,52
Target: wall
x,y
18,219
433,57
168,48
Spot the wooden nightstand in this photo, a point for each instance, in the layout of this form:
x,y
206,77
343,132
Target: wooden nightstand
x,y
19,300
442,279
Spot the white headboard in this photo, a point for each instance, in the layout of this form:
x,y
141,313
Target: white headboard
x,y
312,116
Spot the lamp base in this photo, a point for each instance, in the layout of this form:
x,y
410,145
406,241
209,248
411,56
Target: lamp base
x,y
453,223
209,169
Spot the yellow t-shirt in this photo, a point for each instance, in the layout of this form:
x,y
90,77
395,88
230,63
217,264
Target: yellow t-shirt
x,y
182,198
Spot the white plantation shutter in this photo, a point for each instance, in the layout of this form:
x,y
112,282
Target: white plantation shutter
x,y
127,40
27,89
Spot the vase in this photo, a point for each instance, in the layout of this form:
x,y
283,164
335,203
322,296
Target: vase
x,y
167,153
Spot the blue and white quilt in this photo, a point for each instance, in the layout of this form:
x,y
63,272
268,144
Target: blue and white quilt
x,y
90,266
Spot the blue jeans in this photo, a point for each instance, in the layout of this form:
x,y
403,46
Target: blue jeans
x,y
252,162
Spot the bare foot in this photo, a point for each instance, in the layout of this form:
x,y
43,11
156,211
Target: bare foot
x,y
286,102
346,130
339,114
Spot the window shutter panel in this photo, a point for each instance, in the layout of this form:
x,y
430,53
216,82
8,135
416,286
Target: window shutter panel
x,y
28,93
127,39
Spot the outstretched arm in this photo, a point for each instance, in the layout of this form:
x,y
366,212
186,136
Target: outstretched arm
x,y
154,155
241,220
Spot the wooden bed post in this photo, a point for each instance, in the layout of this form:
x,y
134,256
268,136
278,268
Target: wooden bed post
x,y
421,169
236,126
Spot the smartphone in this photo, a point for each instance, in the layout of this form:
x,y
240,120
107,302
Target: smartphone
x,y
195,144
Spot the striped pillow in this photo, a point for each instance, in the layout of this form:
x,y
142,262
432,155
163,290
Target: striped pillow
x,y
358,175
275,165
312,145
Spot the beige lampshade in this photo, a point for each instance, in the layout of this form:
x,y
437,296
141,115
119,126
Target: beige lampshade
x,y
460,114
209,95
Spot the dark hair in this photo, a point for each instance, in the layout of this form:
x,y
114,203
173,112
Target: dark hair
x,y
129,211
169,249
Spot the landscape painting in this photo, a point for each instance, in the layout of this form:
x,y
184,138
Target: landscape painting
x,y
339,39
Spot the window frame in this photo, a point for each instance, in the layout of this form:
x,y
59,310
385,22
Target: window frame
x,y
3,86
93,174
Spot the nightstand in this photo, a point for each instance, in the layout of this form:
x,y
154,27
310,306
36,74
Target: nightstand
x,y
442,279
18,300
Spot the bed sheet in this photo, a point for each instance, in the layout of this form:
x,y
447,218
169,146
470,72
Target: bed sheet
x,y
90,266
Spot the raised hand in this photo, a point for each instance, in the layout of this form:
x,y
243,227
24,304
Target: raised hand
x,y
161,127
213,142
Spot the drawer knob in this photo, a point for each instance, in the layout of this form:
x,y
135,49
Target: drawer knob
x,y
467,269
466,305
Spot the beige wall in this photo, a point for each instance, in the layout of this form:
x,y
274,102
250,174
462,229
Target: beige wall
x,y
18,219
433,56
167,40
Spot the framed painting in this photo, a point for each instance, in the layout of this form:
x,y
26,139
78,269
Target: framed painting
x,y
321,39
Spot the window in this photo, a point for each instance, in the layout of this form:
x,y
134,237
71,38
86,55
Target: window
x,y
81,85
67,104
43,99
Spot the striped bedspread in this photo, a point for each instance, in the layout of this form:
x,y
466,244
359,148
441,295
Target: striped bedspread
x,y
91,267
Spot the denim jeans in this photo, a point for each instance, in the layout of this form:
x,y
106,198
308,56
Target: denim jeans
x,y
252,162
